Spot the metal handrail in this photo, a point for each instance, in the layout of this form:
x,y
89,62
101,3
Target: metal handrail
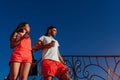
x,y
89,67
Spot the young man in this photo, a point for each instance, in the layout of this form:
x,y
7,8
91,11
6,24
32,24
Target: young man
x,y
52,62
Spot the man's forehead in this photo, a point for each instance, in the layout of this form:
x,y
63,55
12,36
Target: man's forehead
x,y
54,29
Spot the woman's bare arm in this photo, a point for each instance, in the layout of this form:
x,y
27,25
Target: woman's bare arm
x,y
13,42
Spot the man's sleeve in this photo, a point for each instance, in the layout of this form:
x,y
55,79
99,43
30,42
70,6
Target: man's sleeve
x,y
41,38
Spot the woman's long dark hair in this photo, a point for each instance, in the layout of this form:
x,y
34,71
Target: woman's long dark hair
x,y
50,27
19,28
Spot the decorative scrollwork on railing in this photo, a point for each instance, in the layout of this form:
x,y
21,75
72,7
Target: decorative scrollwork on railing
x,y
94,67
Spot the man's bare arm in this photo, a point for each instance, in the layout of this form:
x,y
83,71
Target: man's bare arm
x,y
60,57
39,46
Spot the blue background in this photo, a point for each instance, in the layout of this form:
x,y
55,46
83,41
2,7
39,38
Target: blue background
x,y
85,27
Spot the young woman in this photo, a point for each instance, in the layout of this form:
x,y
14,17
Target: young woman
x,y
21,58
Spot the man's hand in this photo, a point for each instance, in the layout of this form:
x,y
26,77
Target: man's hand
x,y
52,44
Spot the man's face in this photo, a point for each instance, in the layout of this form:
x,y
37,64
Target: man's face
x,y
53,32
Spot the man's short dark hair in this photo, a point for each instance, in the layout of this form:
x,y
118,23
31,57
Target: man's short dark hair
x,y
50,27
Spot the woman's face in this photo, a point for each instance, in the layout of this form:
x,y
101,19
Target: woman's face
x,y
27,28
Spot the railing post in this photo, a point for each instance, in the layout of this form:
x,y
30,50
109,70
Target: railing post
x,y
73,68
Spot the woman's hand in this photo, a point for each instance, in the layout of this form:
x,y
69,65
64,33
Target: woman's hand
x,y
26,35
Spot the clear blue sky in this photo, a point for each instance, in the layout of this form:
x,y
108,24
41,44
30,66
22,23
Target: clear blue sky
x,y
85,27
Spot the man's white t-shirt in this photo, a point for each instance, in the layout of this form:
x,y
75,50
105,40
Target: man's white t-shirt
x,y
51,53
